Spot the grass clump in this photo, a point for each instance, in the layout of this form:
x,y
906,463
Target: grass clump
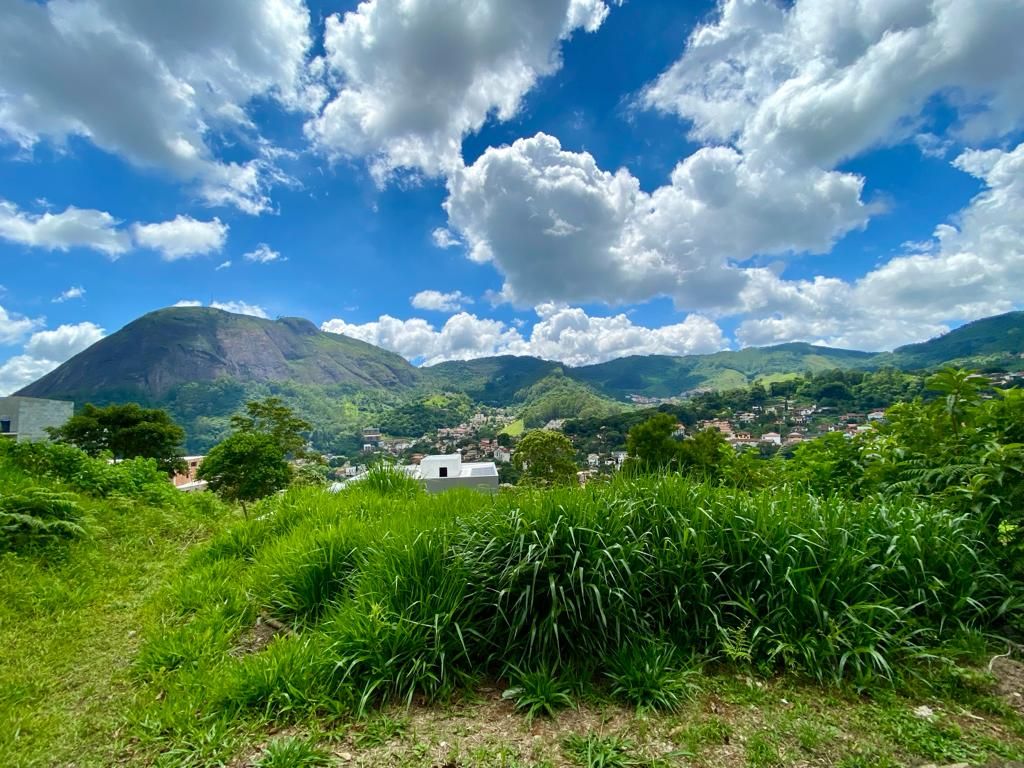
x,y
762,752
596,751
651,676
292,752
385,478
538,692
380,730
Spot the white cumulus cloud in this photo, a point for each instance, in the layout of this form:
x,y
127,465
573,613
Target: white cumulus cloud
x,y
154,82
440,302
411,78
64,341
44,351
72,228
816,82
240,308
14,327
561,333
182,237
236,307
560,228
572,336
973,267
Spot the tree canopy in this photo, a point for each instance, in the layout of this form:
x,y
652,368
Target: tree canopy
x,y
545,458
270,416
650,443
126,431
245,467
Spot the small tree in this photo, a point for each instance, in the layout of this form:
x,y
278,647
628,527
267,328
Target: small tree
x,y
705,454
127,431
650,443
545,458
272,417
245,467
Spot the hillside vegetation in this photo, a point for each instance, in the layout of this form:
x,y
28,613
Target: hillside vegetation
x,y
1000,337
75,598
203,364
559,397
721,611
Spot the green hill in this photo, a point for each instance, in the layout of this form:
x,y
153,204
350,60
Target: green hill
x,y
202,364
1001,336
489,380
664,376
557,396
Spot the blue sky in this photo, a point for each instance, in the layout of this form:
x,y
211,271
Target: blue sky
x,y
574,179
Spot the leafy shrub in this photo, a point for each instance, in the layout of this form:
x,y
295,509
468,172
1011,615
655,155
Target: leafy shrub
x,y
134,478
36,515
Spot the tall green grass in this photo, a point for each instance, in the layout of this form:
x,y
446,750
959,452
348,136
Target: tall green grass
x,y
402,596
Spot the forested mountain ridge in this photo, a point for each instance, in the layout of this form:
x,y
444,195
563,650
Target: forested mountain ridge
x,y
999,336
202,364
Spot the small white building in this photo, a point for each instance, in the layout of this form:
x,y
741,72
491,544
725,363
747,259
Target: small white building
x,y
443,472
502,455
772,437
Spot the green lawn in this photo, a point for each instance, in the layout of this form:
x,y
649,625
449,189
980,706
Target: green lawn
x,y
514,428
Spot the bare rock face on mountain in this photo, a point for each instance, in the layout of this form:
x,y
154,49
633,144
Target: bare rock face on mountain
x,y
156,353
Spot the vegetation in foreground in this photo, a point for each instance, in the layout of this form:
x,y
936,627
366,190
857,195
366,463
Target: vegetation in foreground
x,y
824,611
643,592
77,578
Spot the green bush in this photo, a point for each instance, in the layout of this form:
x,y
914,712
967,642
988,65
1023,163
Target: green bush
x,y
37,515
135,478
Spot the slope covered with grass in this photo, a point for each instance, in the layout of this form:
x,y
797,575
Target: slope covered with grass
x,y
73,606
626,590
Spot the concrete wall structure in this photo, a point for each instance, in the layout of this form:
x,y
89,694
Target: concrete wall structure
x,y
26,418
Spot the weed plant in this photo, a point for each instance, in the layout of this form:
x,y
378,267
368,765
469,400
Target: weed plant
x,y
292,752
538,692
